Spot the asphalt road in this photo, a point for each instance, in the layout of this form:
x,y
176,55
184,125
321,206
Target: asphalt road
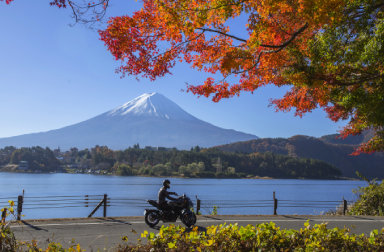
x,y
104,234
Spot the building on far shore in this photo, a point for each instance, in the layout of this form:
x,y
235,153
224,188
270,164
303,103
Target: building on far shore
x,y
23,166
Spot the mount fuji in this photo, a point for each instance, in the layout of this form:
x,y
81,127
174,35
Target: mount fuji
x,y
148,120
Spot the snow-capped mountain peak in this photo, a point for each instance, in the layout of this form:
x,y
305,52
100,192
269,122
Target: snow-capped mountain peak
x,y
138,106
151,104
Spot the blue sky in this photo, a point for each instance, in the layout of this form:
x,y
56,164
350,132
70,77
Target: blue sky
x,y
53,74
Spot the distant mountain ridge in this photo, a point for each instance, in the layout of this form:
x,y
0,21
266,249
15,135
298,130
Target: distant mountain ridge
x,y
350,140
328,148
148,120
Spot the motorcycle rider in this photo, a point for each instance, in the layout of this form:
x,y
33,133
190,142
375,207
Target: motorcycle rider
x,y
163,194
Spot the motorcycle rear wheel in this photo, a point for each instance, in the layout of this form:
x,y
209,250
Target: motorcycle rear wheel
x,y
152,218
188,219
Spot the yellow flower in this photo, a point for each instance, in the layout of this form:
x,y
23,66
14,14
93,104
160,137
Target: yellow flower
x,y
171,245
144,234
212,230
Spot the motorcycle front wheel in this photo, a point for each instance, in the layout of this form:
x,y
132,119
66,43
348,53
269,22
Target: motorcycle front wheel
x,y
152,218
188,218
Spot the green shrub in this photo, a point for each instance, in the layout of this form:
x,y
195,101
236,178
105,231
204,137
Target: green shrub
x,y
370,201
7,238
214,210
262,237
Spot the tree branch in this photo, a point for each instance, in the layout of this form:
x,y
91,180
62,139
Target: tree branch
x,y
222,33
217,7
279,47
96,10
289,40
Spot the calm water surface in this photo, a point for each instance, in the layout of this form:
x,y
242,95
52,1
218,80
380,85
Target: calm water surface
x,y
128,194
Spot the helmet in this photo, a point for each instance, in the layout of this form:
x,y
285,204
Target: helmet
x,y
166,183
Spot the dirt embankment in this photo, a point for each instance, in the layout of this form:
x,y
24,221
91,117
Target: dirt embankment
x,y
9,168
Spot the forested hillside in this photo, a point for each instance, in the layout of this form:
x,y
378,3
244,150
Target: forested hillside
x,y
168,162
37,158
329,149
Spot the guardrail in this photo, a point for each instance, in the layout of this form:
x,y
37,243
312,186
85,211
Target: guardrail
x,y
59,201
274,203
96,201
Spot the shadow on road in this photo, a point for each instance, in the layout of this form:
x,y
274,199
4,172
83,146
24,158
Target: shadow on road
x,y
113,220
363,218
213,218
33,227
295,217
156,227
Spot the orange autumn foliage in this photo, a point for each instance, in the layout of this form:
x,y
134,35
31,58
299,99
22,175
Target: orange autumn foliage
x,y
283,46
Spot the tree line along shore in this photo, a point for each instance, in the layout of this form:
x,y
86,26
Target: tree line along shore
x,y
156,161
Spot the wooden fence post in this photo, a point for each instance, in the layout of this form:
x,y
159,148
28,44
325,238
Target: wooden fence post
x,y
197,206
274,204
19,206
345,206
4,215
102,202
105,206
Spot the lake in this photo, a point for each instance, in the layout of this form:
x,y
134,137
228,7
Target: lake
x,y
63,195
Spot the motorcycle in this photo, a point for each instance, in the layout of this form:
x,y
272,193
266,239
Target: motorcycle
x,y
179,208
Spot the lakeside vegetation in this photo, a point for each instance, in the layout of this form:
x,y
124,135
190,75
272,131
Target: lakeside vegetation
x,y
260,237
225,237
370,199
150,161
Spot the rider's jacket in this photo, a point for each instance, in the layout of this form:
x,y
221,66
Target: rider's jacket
x,y
163,193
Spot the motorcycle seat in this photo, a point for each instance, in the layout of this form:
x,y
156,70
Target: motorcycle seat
x,y
154,203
